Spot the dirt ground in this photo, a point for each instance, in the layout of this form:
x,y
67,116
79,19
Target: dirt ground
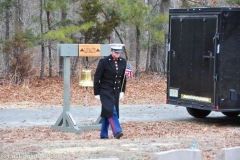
x,y
140,140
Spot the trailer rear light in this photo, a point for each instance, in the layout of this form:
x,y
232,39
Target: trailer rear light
x,y
216,107
166,100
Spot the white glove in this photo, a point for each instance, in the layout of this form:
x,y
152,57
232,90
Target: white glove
x,y
121,95
97,97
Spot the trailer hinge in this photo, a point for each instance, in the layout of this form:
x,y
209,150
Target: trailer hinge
x,y
166,73
215,78
167,36
216,37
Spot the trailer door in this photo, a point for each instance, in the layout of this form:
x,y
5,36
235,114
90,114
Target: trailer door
x,y
191,61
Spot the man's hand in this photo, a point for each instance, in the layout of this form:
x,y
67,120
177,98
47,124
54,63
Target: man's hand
x,y
121,95
97,97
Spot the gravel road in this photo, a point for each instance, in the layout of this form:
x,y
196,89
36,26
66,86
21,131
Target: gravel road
x,y
46,116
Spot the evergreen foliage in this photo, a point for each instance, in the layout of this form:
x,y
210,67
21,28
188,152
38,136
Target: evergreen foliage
x,y
92,11
95,22
93,26
6,5
19,50
63,34
154,27
54,5
133,12
233,2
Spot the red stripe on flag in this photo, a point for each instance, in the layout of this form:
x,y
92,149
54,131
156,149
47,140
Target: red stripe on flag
x,y
128,71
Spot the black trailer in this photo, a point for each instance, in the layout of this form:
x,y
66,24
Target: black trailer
x,y
203,70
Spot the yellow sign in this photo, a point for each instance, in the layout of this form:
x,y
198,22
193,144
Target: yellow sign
x,y
86,50
196,98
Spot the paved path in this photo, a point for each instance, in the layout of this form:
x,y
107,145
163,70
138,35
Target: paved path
x,y
87,115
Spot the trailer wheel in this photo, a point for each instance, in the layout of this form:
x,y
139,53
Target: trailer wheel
x,y
231,114
198,113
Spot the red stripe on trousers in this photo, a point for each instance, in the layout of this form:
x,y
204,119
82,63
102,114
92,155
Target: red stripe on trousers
x,y
112,125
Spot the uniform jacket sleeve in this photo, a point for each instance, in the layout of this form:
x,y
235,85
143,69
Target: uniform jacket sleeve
x,y
124,81
97,77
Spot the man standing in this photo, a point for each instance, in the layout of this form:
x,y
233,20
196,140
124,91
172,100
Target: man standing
x,y
109,87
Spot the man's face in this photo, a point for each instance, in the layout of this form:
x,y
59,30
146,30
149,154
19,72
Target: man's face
x,y
115,54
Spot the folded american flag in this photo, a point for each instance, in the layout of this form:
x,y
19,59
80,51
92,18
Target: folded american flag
x,y
128,71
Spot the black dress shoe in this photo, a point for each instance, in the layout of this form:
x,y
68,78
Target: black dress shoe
x,y
118,135
104,138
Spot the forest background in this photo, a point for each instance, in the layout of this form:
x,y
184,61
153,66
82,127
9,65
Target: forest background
x,y
31,70
31,75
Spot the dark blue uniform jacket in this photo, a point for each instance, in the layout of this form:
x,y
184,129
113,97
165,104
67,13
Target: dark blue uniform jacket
x,y
108,84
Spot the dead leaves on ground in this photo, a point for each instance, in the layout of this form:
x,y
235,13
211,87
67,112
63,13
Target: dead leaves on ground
x,y
209,138
149,89
131,130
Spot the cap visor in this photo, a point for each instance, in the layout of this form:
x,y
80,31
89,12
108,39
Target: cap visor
x,y
117,50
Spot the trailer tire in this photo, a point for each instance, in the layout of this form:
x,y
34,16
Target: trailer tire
x,y
231,114
198,113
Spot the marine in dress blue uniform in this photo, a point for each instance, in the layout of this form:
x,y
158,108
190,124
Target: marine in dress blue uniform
x,y
109,87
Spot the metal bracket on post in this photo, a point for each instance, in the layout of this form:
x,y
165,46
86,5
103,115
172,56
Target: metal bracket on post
x,y
66,122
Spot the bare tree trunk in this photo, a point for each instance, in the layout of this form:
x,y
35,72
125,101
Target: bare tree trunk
x,y
5,58
126,55
164,6
137,73
148,53
18,28
49,46
42,46
157,51
7,23
148,45
74,66
19,13
50,58
155,59
63,17
158,58
60,66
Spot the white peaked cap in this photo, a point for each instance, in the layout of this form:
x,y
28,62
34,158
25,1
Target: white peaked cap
x,y
116,45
